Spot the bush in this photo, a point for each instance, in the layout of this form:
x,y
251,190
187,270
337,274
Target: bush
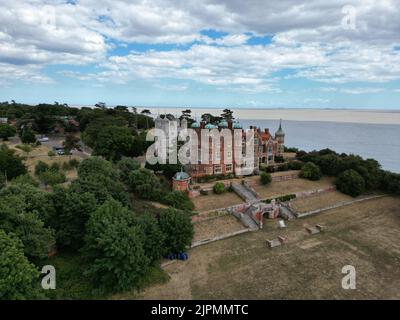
x,y
265,178
41,167
55,166
74,163
28,136
310,171
10,163
350,182
6,131
52,177
66,166
219,188
178,200
284,198
51,153
26,179
295,165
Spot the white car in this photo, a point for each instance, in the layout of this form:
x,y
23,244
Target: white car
x,y
44,139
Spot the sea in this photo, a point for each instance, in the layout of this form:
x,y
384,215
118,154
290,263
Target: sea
x,y
368,133
377,141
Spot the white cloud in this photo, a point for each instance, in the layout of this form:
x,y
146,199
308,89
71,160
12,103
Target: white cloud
x,y
308,38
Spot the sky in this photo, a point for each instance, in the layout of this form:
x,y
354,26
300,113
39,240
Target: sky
x,y
202,53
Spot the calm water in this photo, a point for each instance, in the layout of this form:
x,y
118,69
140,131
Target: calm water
x,y
377,141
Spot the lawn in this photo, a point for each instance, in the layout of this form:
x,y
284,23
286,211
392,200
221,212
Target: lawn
x,y
365,235
319,201
216,227
216,201
280,188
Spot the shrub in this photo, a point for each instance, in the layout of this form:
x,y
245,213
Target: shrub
x,y
265,178
66,166
178,200
27,136
310,171
295,165
6,131
51,177
55,166
74,163
350,182
41,167
10,163
284,198
219,188
51,153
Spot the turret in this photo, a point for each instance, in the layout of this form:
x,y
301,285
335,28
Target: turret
x,y
280,138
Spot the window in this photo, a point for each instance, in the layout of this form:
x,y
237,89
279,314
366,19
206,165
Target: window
x,y
229,168
217,169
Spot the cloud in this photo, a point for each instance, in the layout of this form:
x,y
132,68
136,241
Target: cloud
x,y
308,38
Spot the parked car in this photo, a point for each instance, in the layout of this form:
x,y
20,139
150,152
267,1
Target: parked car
x,y
59,150
43,139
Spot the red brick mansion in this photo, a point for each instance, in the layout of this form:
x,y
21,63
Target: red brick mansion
x,y
266,148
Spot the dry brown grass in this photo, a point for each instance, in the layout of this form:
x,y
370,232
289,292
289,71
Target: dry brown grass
x,y
319,201
216,201
40,153
216,227
365,235
276,189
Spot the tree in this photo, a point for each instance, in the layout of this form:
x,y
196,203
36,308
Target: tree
x,y
265,178
114,245
144,184
154,238
35,199
178,230
140,145
178,200
113,142
41,167
71,142
7,131
147,113
127,165
187,115
98,176
227,115
27,136
350,182
18,277
52,177
219,188
72,217
94,166
310,171
26,225
11,165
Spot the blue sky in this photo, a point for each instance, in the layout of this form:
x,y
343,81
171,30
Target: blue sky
x,y
202,53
